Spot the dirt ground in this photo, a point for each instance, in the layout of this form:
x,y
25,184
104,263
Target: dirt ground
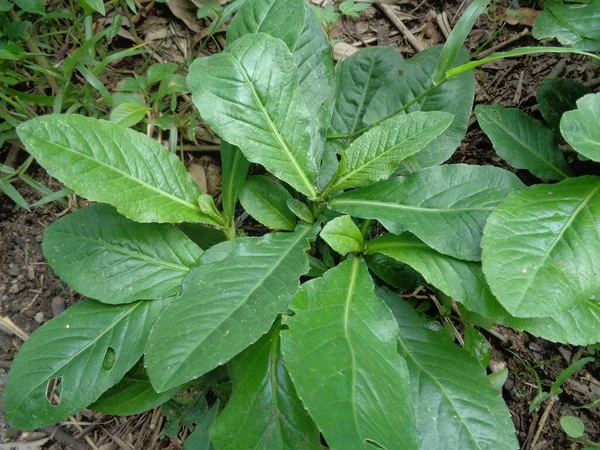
x,y
31,294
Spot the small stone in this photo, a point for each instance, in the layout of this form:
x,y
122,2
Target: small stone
x,y
39,317
13,270
58,306
21,277
534,347
14,289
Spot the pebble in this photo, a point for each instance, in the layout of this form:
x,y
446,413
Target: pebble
x,y
14,289
13,270
534,347
58,306
39,317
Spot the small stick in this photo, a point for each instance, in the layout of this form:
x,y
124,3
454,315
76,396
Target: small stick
x,y
543,420
501,45
441,24
13,328
387,9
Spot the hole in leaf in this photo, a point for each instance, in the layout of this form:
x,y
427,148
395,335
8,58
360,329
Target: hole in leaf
x,y
374,444
110,356
400,73
53,391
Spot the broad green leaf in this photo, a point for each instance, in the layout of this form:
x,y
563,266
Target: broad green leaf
x,y
133,395
103,255
183,410
541,247
573,24
358,78
200,438
128,114
266,200
477,345
454,198
580,127
523,142
396,274
340,350
300,210
89,348
264,411
97,5
250,96
573,426
451,412
234,172
159,71
556,96
104,162
376,154
229,302
411,78
204,236
316,73
283,19
343,235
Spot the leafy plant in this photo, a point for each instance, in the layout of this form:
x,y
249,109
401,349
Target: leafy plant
x,y
314,346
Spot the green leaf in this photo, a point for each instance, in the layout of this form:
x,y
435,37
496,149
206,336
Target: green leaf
x,y
204,236
498,379
398,275
280,19
104,162
580,127
316,73
234,172
266,200
340,351
128,114
159,71
358,78
73,348
572,426
13,194
103,255
229,302
541,247
200,439
478,346
411,78
249,95
456,198
461,415
376,154
523,141
556,96
37,6
300,210
343,235
264,410
96,5
183,410
573,24
133,395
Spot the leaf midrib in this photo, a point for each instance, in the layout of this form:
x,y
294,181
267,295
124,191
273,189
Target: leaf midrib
x,y
112,325
406,207
310,188
120,172
242,303
558,237
441,388
124,251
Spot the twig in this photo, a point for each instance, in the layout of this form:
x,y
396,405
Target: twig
x,y
517,97
387,9
459,338
13,328
501,45
543,421
439,19
23,445
59,435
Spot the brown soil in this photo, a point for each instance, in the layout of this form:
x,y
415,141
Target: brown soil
x,y
31,294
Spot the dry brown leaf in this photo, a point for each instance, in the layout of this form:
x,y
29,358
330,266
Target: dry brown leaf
x,y
520,16
186,11
341,50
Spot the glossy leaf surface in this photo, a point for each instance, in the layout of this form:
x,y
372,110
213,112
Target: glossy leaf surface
x,y
523,141
450,413
411,78
73,347
250,96
282,19
377,154
340,350
104,162
343,235
264,411
234,172
103,255
266,200
573,24
455,198
580,127
541,247
229,301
